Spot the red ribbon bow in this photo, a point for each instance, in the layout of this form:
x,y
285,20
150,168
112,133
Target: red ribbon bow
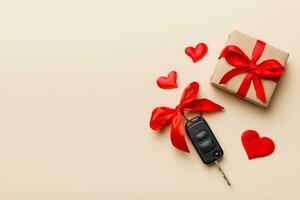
x,y
269,69
162,116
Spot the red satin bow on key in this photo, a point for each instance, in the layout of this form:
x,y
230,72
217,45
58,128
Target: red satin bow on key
x,y
269,69
162,116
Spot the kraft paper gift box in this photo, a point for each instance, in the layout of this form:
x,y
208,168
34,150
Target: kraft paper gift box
x,y
247,45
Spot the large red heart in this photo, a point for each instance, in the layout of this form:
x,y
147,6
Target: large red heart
x,y
168,82
256,146
196,53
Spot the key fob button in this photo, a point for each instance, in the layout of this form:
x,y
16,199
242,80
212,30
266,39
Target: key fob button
x,y
207,145
194,130
203,139
200,137
217,153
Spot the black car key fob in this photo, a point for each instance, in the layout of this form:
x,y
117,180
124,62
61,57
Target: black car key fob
x,y
203,140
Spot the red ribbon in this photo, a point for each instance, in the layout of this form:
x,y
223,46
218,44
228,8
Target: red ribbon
x,y
269,69
162,116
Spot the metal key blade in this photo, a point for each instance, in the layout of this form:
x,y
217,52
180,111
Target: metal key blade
x,y
222,173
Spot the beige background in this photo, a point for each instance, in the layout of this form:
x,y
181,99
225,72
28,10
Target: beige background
x,y
77,82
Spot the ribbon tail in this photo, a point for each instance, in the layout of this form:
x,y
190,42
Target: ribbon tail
x,y
178,134
259,89
243,90
203,105
232,73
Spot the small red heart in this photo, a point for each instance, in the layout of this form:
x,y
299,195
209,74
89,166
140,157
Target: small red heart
x,y
168,82
196,53
256,146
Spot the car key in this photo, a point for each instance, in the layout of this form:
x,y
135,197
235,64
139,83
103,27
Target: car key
x,y
205,142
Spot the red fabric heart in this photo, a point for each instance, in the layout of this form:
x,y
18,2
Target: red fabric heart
x,y
256,146
168,82
196,53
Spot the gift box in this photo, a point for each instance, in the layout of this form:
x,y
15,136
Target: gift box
x,y
249,68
